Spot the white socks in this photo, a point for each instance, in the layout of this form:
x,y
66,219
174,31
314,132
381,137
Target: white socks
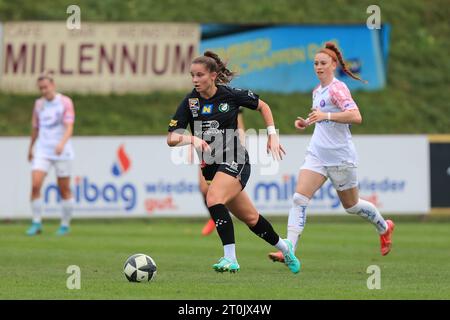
x,y
282,246
368,211
36,210
229,251
297,217
67,208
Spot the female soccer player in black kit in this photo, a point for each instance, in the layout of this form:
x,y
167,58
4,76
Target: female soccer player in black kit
x,y
211,110
210,226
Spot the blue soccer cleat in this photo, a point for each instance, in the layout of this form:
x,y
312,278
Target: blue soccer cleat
x,y
290,260
225,265
35,229
62,231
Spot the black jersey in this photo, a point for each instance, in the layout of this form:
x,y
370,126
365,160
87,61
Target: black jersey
x,y
215,121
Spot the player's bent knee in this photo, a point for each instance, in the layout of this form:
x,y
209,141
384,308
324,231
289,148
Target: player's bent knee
x,y
66,195
251,220
65,192
204,190
212,199
36,190
352,209
299,199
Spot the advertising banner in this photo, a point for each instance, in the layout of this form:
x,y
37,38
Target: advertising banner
x,y
392,174
440,173
142,176
99,57
280,58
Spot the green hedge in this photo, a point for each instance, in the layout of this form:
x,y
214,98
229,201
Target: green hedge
x,y
416,99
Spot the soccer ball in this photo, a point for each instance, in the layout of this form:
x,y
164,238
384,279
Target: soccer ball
x,y
139,268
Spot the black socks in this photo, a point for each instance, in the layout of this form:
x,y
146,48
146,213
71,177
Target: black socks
x,y
224,225
264,229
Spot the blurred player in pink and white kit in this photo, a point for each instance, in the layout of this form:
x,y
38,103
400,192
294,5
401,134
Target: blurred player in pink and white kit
x,y
52,127
331,153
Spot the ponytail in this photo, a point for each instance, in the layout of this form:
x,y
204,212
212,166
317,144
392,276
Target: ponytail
x,y
214,64
336,55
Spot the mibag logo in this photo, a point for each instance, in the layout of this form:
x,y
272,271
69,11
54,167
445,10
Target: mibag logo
x,y
90,195
276,191
123,163
324,198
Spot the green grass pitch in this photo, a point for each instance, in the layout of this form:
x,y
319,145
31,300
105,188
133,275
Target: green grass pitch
x,y
334,255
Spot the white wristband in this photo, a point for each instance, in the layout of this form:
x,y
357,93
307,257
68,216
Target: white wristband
x,y
271,130
329,116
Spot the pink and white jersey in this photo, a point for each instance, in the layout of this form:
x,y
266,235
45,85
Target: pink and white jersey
x,y
331,141
50,117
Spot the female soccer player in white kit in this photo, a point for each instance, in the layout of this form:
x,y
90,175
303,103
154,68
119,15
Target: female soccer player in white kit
x,y
331,153
52,126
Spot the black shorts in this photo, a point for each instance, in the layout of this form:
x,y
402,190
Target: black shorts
x,y
239,171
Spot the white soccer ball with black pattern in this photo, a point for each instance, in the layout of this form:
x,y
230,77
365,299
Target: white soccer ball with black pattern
x,y
140,268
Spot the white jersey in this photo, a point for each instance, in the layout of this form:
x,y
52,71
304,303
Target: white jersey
x,y
331,141
50,117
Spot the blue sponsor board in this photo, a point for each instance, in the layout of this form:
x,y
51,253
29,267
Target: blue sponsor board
x,y
280,59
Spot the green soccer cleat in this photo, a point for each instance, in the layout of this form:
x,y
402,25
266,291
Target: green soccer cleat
x,y
225,265
62,231
290,260
35,229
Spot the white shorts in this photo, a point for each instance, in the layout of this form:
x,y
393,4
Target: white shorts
x,y
343,177
63,168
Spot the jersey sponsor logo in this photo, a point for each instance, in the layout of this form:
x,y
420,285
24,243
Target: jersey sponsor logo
x,y
173,123
224,107
193,102
211,127
251,94
348,105
49,118
214,124
207,109
194,106
233,167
